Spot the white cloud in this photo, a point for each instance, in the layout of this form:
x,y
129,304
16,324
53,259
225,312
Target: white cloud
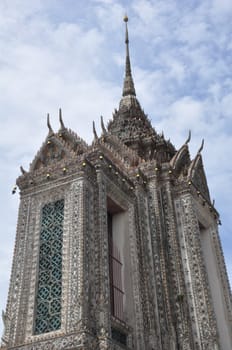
x,y
187,111
222,7
110,16
145,10
227,105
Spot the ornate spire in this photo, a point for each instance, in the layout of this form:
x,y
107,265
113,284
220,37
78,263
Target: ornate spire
x,y
128,86
131,125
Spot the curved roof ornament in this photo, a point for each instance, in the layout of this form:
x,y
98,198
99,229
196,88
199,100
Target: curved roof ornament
x,y
103,125
94,131
189,138
49,125
201,148
61,120
23,171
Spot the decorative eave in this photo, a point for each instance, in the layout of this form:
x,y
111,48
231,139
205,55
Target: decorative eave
x,y
186,186
122,152
74,142
56,174
115,171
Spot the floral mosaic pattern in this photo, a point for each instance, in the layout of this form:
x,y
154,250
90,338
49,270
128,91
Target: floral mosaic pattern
x,y
48,302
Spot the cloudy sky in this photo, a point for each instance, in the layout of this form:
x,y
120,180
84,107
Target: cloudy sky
x,y
70,54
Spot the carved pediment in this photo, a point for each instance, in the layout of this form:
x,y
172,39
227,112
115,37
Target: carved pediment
x,y
197,175
52,151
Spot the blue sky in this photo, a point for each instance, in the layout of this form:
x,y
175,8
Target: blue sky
x,y
70,54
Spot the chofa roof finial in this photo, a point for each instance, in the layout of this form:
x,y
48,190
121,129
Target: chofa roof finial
x,y
60,119
189,138
23,171
201,147
49,125
103,126
94,132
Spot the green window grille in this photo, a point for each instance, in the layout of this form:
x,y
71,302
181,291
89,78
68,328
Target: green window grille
x,y
48,300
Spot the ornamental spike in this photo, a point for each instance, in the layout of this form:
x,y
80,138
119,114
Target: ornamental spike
x,y
49,125
23,171
94,131
103,125
189,138
61,119
201,148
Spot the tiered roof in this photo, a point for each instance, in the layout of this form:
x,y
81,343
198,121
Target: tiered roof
x,y
132,126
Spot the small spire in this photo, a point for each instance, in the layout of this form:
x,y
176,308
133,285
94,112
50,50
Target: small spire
x,y
128,86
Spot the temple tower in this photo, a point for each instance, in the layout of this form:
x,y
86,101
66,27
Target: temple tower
x,y
117,243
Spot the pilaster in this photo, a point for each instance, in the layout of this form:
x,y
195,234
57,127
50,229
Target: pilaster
x,y
103,284
17,274
201,312
167,336
147,274
180,315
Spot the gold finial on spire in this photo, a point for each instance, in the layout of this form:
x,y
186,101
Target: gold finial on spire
x,y
125,19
